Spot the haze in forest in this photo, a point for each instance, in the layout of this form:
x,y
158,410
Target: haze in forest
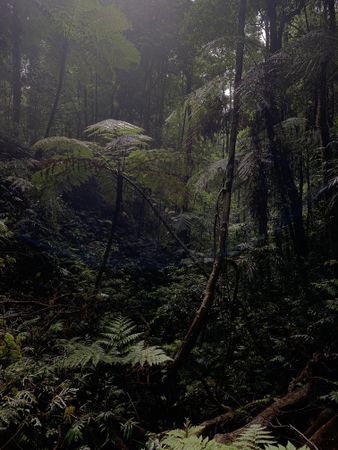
x,y
168,224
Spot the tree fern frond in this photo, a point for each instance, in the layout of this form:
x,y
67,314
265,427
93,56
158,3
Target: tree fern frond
x,y
62,146
63,175
184,221
127,142
209,174
110,129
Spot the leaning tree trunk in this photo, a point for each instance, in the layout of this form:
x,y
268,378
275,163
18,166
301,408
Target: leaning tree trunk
x,y
208,298
65,49
115,221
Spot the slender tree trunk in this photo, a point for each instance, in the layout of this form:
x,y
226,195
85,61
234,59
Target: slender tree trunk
x,y
16,67
85,105
274,41
260,206
208,298
96,98
62,72
188,142
115,221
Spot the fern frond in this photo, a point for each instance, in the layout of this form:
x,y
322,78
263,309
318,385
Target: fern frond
x,y
119,333
110,129
80,355
209,174
289,446
63,175
141,355
253,437
128,143
62,146
75,433
184,221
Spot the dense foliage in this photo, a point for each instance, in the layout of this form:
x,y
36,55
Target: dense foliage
x,y
168,224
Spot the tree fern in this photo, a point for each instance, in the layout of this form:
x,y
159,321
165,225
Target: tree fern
x,y
110,129
213,172
129,142
65,174
58,146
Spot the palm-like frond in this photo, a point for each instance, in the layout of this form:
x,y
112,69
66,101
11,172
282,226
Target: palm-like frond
x,y
110,129
184,221
127,142
299,59
209,174
61,146
63,175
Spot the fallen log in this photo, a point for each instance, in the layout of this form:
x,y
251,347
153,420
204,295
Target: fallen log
x,y
269,414
326,438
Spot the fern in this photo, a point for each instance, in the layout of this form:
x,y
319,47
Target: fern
x,y
187,439
209,174
119,333
289,446
118,345
254,437
14,408
80,355
65,174
128,143
110,129
57,146
139,354
76,431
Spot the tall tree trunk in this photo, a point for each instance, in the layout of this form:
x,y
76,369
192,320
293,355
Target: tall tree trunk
x,y
16,66
188,140
274,40
208,298
96,98
115,221
323,113
260,195
62,71
85,105
291,203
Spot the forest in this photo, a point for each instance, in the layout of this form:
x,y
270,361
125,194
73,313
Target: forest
x,y
168,225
